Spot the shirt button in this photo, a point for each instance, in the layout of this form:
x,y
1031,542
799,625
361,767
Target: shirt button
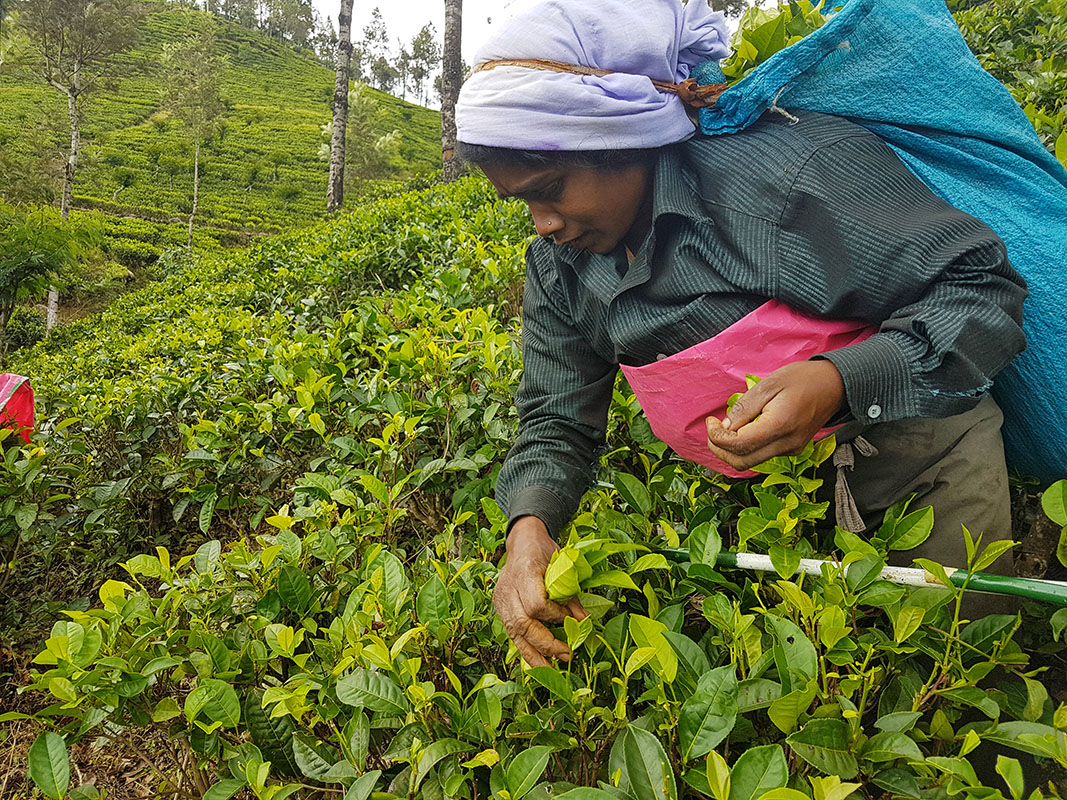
x,y
875,411
661,356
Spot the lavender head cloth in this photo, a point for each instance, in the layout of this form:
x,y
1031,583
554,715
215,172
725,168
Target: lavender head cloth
x,y
642,40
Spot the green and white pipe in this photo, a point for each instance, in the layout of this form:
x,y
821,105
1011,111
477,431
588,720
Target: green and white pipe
x,y
1054,592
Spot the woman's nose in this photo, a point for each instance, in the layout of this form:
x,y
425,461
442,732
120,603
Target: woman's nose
x,y
546,222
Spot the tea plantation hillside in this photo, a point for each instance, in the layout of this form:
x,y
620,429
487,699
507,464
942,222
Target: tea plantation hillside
x,y
261,169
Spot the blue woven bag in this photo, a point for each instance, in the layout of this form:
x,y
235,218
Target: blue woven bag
x,y
902,69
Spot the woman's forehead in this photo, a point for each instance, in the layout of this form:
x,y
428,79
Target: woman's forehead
x,y
518,180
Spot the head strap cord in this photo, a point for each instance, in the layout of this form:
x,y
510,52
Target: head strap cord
x,y
688,91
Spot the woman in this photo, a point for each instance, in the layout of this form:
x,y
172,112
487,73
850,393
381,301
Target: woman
x,y
654,242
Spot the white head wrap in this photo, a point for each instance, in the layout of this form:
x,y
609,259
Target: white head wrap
x,y
638,40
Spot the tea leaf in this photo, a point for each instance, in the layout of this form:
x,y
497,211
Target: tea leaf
x,y
891,745
294,589
908,620
1012,772
224,789
912,530
758,770
718,776
561,576
824,743
433,753
902,721
372,691
526,769
784,560
634,492
49,766
643,767
431,605
313,759
216,700
1054,498
709,715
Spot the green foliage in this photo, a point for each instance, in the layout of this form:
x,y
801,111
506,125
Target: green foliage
x,y
25,328
279,466
322,418
276,98
1024,45
35,246
763,32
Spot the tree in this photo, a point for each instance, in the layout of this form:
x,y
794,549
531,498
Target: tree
x,y
194,70
76,41
335,191
425,58
732,8
451,79
402,66
383,74
374,49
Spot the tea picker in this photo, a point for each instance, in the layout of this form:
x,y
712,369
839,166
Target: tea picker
x,y
1052,592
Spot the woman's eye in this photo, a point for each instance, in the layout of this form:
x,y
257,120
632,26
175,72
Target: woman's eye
x,y
551,193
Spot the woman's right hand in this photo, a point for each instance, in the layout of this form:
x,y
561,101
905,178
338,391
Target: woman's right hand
x,y
520,598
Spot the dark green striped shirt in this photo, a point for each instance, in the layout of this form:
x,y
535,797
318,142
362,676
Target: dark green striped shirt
x,y
820,215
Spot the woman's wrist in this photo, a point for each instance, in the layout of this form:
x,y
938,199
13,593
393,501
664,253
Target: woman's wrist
x,y
529,533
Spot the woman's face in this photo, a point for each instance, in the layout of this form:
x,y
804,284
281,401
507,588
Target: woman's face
x,y
584,207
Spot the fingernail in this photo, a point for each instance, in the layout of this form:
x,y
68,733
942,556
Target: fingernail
x,y
727,424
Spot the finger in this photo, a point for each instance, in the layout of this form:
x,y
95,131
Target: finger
x,y
748,406
720,439
528,652
576,610
757,442
542,640
541,608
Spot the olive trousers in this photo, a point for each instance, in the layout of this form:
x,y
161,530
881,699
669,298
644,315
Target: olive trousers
x,y
956,465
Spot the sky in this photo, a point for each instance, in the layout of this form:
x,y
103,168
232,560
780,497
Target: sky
x,y
404,18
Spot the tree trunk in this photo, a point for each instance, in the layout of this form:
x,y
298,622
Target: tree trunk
x,y
75,146
196,191
69,171
335,193
451,79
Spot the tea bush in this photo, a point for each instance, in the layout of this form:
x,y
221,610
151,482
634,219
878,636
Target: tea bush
x,y
324,417
25,328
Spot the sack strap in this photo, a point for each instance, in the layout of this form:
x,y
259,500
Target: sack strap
x,y
846,510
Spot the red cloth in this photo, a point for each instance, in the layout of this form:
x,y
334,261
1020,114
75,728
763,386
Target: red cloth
x,y
16,404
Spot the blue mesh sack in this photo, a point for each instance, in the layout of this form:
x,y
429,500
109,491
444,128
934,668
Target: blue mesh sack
x,y
902,69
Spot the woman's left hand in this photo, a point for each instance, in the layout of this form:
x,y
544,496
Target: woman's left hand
x,y
793,403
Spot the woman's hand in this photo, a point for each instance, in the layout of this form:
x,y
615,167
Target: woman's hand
x,y
520,597
793,403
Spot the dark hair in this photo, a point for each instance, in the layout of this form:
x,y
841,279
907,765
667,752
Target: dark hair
x,y
485,156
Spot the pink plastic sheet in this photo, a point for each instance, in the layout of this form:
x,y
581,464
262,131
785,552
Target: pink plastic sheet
x,y
679,392
16,403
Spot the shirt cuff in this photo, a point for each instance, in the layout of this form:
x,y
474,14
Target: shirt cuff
x,y
877,377
537,501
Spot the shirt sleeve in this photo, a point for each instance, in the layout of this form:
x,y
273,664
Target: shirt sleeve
x,y
861,237
562,401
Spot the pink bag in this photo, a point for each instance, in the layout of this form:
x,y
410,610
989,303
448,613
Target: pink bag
x,y
16,404
677,393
